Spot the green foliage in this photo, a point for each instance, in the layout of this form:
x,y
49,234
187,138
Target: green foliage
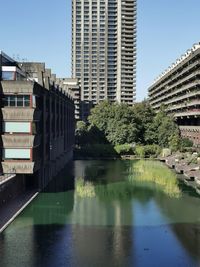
x,y
126,149
152,171
139,151
174,142
147,151
101,115
95,151
152,150
144,115
147,174
163,131
88,134
185,142
81,132
117,121
119,124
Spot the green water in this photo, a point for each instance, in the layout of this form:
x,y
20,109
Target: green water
x,y
107,213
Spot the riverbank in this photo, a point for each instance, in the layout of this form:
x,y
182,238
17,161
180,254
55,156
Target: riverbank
x,y
186,164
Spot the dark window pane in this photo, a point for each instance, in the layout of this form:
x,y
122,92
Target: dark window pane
x,y
12,101
19,101
6,101
26,100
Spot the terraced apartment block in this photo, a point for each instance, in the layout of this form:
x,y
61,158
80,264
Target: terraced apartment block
x,y
178,89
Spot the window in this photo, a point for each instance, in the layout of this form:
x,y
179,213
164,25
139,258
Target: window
x,y
8,75
17,101
10,153
16,127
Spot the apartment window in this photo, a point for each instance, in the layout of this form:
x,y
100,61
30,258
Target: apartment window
x,y
16,127
8,75
17,101
10,153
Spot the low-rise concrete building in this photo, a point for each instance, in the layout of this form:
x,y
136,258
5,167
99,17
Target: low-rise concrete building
x,y
178,89
37,121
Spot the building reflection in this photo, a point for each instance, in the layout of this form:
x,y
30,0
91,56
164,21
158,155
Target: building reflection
x,y
184,219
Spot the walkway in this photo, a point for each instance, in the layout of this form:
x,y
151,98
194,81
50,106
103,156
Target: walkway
x,y
14,208
6,177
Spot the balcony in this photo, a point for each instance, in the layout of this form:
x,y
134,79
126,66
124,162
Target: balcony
x,y
20,141
177,75
177,100
174,92
190,113
18,167
190,128
184,105
20,114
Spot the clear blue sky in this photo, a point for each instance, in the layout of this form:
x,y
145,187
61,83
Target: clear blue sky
x,y
40,30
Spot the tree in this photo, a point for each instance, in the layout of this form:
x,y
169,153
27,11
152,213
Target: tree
x,y
144,115
81,132
162,131
117,121
88,134
120,124
101,114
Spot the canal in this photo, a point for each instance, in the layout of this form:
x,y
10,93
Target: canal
x,y
107,214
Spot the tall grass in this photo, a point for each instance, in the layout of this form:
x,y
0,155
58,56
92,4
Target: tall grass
x,y
84,189
155,172
143,174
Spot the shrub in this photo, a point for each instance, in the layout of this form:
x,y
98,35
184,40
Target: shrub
x,y
147,151
139,151
152,150
174,142
126,149
185,142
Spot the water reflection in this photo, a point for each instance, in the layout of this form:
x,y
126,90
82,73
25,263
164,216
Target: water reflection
x,y
120,223
144,174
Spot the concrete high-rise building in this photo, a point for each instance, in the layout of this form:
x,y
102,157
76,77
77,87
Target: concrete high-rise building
x,y
104,51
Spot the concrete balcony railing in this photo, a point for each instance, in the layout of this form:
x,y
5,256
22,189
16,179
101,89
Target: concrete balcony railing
x,y
191,113
175,85
20,141
184,105
183,100
180,105
17,87
18,167
190,128
20,114
159,88
175,92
